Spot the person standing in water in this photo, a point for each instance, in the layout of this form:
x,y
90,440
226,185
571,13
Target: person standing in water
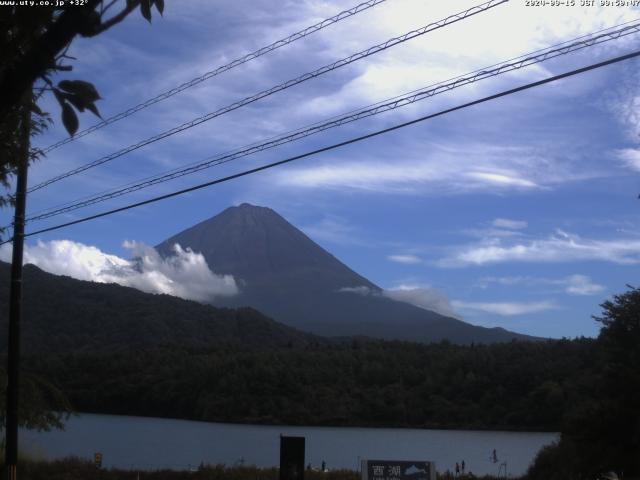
x,y
494,456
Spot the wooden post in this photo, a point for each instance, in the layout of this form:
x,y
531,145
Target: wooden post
x,y
15,299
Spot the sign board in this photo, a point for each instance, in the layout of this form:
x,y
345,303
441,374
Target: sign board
x,y
291,458
97,459
398,470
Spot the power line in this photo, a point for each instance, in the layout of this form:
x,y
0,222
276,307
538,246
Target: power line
x,y
265,93
217,71
380,107
340,144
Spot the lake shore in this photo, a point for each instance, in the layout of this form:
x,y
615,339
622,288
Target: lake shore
x,y
150,444
379,425
74,468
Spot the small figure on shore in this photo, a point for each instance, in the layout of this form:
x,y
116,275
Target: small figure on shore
x,y
309,466
457,469
324,466
462,466
494,456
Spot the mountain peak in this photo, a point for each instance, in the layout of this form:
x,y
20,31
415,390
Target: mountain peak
x,y
258,246
246,207
246,212
285,274
249,205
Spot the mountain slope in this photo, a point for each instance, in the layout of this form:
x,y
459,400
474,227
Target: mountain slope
x,y
62,314
286,275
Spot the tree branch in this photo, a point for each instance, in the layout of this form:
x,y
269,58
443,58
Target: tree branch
x,y
17,79
131,6
107,7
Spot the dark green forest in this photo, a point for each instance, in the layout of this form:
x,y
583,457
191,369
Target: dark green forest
x,y
518,385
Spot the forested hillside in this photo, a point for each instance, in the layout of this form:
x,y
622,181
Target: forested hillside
x,y
62,314
517,385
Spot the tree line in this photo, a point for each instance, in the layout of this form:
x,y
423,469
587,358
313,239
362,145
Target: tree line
x,y
514,386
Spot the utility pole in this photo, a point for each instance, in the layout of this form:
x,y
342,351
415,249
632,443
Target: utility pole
x,y
15,299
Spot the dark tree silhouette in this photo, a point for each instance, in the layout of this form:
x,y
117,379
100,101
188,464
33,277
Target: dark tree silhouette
x,y
602,432
34,43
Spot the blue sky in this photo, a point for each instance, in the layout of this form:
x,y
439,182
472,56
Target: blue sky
x,y
520,213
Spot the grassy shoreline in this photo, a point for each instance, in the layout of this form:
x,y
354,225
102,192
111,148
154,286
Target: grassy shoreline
x,y
73,468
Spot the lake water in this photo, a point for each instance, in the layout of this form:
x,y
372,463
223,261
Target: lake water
x,y
154,443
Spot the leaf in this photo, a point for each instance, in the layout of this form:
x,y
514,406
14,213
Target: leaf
x,y
84,90
160,6
36,109
75,100
69,119
93,109
145,9
66,85
59,96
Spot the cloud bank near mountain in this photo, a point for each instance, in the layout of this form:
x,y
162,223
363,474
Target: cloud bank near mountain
x,y
185,274
420,296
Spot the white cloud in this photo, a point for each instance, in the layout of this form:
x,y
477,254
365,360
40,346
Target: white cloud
x,y
624,103
408,259
185,274
560,247
507,281
630,158
582,285
573,284
433,169
419,296
422,297
509,224
457,49
505,308
491,234
503,180
360,290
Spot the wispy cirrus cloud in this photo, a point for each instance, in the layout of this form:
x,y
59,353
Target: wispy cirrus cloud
x,y
624,103
630,158
434,169
505,308
573,284
406,258
509,224
506,179
415,178
582,285
498,228
558,247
